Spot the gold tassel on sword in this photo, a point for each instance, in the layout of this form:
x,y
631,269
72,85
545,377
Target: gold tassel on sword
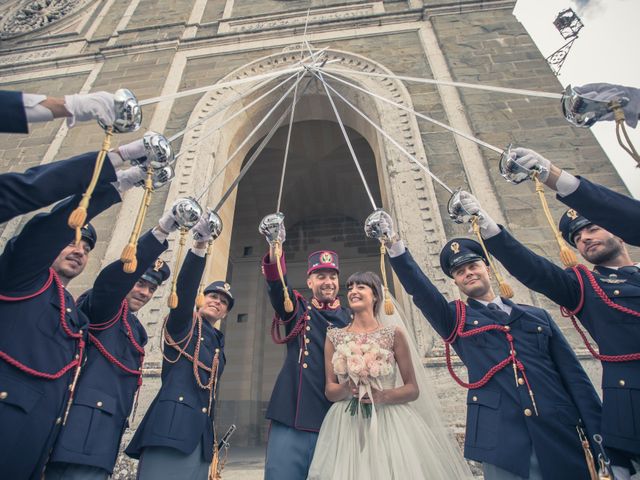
x,y
128,119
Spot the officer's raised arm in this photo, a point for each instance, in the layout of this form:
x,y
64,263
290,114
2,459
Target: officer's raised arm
x,y
534,271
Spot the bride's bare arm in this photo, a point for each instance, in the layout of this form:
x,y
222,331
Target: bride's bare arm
x,y
409,391
333,390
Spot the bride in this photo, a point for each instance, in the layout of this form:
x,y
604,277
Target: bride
x,y
382,425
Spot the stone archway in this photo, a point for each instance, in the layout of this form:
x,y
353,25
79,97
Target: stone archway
x,y
406,192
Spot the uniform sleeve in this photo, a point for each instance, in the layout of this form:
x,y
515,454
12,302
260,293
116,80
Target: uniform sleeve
x,y
617,213
433,305
28,256
576,381
191,272
275,290
534,271
45,184
113,284
14,117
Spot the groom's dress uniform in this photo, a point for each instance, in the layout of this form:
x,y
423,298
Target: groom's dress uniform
x,y
298,403
513,432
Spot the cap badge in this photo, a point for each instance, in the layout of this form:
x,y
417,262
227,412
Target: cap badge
x,y
158,265
326,257
226,287
455,247
572,214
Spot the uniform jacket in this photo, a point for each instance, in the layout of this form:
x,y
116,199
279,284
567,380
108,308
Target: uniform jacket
x,y
31,408
501,425
616,333
617,213
105,393
178,416
45,184
298,398
13,118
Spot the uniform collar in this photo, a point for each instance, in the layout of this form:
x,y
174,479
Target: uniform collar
x,y
318,305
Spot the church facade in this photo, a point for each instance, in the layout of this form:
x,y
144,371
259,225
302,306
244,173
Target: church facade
x,y
160,47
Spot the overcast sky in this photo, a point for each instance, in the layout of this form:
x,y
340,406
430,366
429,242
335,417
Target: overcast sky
x,y
607,50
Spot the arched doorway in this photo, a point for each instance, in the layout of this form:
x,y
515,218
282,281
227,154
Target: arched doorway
x,y
325,204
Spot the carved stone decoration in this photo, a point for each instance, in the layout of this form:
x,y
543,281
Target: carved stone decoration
x,y
32,15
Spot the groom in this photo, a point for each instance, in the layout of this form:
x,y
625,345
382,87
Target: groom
x,y
298,403
527,390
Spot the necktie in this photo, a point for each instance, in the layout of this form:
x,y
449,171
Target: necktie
x,y
497,313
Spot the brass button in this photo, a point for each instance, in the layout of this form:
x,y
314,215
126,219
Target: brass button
x,y
80,332
539,329
202,339
217,350
68,310
304,365
621,382
3,395
77,356
521,381
306,352
204,409
616,292
527,412
507,328
474,398
99,404
180,399
309,307
475,322
306,340
308,328
58,420
512,352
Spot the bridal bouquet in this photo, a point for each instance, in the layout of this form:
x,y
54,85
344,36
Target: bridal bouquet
x,y
365,364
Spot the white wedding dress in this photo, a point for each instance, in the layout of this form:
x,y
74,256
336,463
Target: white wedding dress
x,y
395,443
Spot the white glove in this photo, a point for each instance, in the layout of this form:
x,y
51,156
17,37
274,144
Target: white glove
x,y
83,107
488,227
532,161
129,178
133,152
201,231
168,221
606,92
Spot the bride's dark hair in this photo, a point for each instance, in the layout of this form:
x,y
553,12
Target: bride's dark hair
x,y
372,281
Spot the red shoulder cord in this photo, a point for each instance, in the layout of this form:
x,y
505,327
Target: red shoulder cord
x,y
461,315
77,336
301,323
629,357
122,314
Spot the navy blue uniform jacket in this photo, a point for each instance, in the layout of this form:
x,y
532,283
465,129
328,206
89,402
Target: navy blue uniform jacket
x,y
31,408
498,430
616,333
13,118
105,393
298,398
45,184
617,213
178,416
